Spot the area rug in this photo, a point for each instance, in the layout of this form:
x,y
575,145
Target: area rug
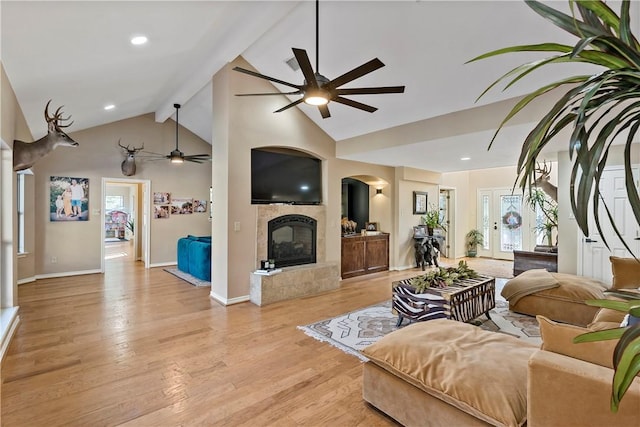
x,y
351,332
187,277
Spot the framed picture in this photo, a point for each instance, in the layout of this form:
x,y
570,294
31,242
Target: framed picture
x,y
181,206
68,199
161,211
199,206
419,202
161,198
371,226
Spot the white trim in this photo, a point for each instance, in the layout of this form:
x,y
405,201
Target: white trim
x,y
27,280
9,320
230,301
163,264
67,273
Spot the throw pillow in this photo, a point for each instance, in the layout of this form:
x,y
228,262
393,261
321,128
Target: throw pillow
x,y
626,272
558,338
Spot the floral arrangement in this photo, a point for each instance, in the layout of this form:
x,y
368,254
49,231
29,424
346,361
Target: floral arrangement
x,y
443,277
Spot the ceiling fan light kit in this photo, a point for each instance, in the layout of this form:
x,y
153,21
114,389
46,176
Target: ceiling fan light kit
x,y
177,156
318,90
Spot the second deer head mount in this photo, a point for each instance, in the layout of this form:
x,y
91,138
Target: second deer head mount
x,y
128,165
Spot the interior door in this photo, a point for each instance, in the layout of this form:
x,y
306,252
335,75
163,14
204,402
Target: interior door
x,y
504,220
594,254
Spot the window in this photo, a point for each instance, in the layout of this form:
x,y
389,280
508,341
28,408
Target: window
x,y
112,203
20,205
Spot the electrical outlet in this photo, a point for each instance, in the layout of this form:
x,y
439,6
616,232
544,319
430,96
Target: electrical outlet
x,y
54,260
236,226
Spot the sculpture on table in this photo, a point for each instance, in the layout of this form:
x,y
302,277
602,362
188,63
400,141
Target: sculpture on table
x,y
426,252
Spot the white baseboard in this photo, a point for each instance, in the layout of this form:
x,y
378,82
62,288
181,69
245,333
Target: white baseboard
x,y
229,301
163,264
26,280
67,273
9,320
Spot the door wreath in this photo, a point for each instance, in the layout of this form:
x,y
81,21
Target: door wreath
x,y
512,219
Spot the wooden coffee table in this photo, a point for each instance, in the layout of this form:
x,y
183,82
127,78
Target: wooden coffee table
x,y
464,300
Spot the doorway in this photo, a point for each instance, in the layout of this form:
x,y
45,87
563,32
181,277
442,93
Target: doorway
x,y
505,222
125,213
593,255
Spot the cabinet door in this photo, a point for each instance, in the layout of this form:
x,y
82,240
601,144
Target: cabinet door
x,y
377,254
353,256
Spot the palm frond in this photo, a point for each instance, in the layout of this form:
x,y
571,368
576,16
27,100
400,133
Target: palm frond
x,y
597,109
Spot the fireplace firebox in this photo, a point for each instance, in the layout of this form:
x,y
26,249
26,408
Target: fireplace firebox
x,y
292,240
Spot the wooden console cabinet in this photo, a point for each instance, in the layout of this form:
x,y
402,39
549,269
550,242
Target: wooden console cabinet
x,y
525,260
364,255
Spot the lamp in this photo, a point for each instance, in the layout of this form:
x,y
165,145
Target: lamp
x,y
378,190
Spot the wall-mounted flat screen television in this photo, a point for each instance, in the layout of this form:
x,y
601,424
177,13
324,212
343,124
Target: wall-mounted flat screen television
x,y
285,176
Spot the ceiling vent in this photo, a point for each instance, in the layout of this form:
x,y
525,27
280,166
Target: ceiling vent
x,y
293,63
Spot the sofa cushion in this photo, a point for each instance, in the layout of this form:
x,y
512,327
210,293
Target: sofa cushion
x,y
574,288
606,318
626,272
479,372
558,338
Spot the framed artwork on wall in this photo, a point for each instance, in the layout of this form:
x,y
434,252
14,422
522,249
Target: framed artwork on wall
x,y
68,199
419,202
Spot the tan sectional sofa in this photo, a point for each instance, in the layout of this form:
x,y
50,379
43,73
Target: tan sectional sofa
x,y
561,297
448,373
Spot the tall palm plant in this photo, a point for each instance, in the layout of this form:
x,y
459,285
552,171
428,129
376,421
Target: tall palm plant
x,y
597,109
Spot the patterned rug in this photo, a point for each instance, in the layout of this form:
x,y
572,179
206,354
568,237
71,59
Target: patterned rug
x,y
354,331
187,277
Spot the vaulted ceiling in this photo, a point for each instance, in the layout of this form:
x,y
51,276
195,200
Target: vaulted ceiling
x,y
78,53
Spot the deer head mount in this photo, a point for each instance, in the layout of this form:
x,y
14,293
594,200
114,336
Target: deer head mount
x,y
542,181
25,154
128,165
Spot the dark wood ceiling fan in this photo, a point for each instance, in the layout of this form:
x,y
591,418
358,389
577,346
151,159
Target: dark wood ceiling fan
x,y
177,156
319,90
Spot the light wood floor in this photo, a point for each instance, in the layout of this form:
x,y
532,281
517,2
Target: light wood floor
x,y
142,347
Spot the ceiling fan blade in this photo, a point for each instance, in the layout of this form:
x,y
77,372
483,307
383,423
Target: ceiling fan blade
x,y
354,104
324,110
360,71
286,107
305,66
187,159
296,92
262,76
370,90
203,156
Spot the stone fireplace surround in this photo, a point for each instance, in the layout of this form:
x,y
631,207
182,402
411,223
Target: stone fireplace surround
x,y
296,281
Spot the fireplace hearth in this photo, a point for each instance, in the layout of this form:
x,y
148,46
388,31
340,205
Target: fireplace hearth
x,y
292,240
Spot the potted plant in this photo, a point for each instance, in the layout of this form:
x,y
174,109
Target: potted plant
x,y
597,108
474,238
538,200
433,220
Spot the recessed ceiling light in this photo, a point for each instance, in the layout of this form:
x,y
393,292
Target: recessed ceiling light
x,y
109,107
465,158
138,40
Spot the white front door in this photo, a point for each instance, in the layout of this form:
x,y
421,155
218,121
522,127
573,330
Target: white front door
x,y
594,254
504,220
